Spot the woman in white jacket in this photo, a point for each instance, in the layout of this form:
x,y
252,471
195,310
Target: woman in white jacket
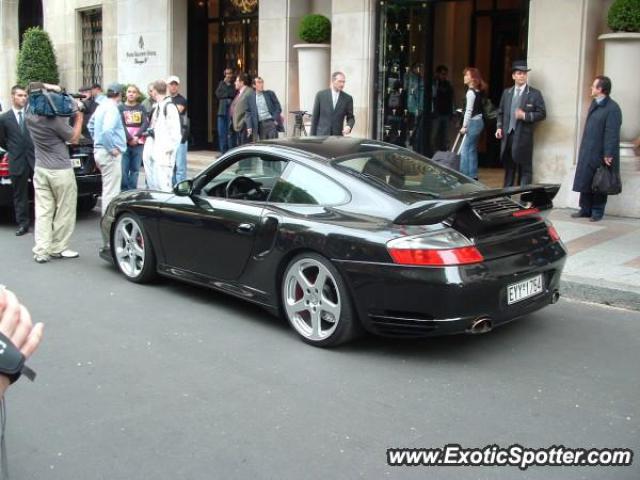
x,y
159,155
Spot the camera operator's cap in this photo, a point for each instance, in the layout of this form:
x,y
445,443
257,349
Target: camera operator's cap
x,y
114,88
520,66
173,79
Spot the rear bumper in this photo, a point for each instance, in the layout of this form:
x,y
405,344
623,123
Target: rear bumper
x,y
396,300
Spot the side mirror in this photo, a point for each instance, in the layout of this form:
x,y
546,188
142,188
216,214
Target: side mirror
x,y
184,188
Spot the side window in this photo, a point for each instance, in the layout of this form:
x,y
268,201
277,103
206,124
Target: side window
x,y
263,171
302,185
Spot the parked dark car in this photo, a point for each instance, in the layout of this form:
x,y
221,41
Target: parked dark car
x,y
341,234
88,177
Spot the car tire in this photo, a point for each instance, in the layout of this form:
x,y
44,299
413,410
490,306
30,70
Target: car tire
x,y
316,302
87,203
132,250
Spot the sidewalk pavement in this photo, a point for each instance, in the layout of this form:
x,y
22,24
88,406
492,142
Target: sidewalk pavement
x,y
604,257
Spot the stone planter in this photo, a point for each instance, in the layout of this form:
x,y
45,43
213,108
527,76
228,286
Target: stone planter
x,y
622,65
313,71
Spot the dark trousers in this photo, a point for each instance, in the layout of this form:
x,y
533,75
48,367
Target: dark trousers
x,y
592,204
515,173
223,133
267,129
20,184
440,132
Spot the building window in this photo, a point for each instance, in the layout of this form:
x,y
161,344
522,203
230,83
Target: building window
x,y
91,24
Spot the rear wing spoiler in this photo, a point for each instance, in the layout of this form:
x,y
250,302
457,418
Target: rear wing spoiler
x,y
428,212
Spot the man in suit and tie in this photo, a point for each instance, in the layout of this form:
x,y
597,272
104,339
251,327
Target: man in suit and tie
x,y
521,107
263,112
331,108
16,140
238,109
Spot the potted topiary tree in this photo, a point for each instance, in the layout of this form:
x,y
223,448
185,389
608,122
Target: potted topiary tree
x,y
313,57
622,65
37,59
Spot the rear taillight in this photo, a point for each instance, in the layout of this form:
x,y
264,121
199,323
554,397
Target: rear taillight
x,y
441,248
4,166
553,233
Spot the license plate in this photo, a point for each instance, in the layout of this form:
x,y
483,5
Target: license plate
x,y
77,162
525,289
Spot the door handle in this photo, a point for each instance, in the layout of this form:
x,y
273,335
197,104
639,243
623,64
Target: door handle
x,y
245,228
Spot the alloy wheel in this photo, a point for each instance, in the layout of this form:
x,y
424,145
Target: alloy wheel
x,y
129,247
312,299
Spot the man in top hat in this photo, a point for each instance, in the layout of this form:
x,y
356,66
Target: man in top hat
x,y
521,107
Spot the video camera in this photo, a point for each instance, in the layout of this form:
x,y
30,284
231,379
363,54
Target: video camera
x,y
52,101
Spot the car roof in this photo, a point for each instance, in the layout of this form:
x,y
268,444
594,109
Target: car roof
x,y
331,147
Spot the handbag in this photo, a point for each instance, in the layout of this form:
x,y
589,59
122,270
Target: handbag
x,y
607,181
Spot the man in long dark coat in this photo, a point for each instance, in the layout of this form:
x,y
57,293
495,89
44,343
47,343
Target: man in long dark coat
x,y
521,107
600,145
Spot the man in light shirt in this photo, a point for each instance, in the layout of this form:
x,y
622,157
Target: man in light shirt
x,y
109,142
263,112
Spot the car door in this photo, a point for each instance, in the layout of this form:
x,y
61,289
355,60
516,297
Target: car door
x,y
207,234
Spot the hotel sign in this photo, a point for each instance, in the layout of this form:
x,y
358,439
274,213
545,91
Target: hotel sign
x,y
141,55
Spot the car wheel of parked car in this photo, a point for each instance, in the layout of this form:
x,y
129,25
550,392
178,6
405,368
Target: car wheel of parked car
x,y
87,203
316,302
132,250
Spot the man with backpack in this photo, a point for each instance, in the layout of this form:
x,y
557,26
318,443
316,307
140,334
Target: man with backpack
x,y
173,86
163,140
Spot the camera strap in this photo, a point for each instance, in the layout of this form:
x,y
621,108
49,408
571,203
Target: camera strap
x,y
12,365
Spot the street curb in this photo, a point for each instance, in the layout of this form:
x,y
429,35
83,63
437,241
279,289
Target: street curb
x,y
600,291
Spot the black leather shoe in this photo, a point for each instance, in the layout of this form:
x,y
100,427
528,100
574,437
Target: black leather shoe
x,y
21,231
579,215
595,219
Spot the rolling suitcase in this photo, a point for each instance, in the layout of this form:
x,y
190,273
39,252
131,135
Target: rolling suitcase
x,y
450,158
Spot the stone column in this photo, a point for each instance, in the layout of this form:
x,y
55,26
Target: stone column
x,y
565,55
152,41
9,42
352,52
277,60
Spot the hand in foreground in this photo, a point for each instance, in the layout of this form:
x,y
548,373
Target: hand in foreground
x,y
15,324
608,161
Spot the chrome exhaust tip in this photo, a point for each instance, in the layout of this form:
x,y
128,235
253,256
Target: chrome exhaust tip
x,y
480,325
555,296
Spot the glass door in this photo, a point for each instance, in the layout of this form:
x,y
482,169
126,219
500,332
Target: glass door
x,y
403,60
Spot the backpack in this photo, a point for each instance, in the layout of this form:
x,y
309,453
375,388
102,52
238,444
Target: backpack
x,y
184,121
489,111
51,104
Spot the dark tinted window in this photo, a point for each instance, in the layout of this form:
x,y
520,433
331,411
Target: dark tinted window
x,y
302,185
399,171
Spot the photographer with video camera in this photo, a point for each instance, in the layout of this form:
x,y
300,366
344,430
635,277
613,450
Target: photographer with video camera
x,y
54,181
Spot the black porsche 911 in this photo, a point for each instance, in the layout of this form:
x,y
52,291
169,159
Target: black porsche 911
x,y
341,235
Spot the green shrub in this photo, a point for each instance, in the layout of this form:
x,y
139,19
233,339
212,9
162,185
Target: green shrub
x,y
37,59
624,16
315,28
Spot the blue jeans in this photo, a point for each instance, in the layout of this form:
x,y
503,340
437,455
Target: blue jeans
x,y
469,150
131,161
223,133
180,172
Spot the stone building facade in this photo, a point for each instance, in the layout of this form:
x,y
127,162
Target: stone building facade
x,y
138,41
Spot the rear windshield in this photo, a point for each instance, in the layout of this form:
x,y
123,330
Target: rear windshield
x,y
407,175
